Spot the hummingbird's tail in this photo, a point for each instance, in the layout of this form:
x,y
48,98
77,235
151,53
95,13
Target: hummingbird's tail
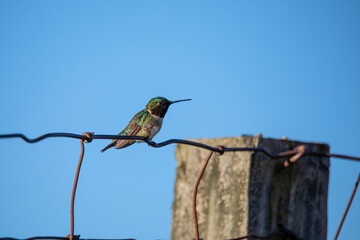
x,y
113,143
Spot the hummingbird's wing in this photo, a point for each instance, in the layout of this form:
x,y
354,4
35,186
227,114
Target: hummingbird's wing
x,y
132,129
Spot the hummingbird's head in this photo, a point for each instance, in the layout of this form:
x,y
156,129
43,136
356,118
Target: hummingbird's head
x,y
158,106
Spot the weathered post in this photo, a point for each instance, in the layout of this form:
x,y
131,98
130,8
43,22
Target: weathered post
x,y
243,193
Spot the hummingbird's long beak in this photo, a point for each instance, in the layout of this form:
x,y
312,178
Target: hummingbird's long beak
x,y
171,102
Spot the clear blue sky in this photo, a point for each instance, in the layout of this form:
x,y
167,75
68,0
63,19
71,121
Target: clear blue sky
x,y
280,68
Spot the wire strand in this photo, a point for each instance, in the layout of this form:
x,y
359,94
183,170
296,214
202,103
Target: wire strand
x,y
174,141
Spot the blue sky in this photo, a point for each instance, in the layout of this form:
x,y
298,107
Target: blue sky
x,y
280,68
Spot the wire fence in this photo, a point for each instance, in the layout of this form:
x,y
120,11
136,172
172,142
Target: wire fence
x,y
290,156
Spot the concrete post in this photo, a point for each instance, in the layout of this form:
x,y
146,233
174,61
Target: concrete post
x,y
245,193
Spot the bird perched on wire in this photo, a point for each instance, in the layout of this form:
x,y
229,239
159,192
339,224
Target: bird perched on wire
x,y
146,123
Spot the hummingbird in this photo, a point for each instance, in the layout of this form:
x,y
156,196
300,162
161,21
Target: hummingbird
x,y
146,123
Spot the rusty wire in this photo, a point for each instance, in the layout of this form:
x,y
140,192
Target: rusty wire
x,y
74,190
347,207
293,155
196,190
195,195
